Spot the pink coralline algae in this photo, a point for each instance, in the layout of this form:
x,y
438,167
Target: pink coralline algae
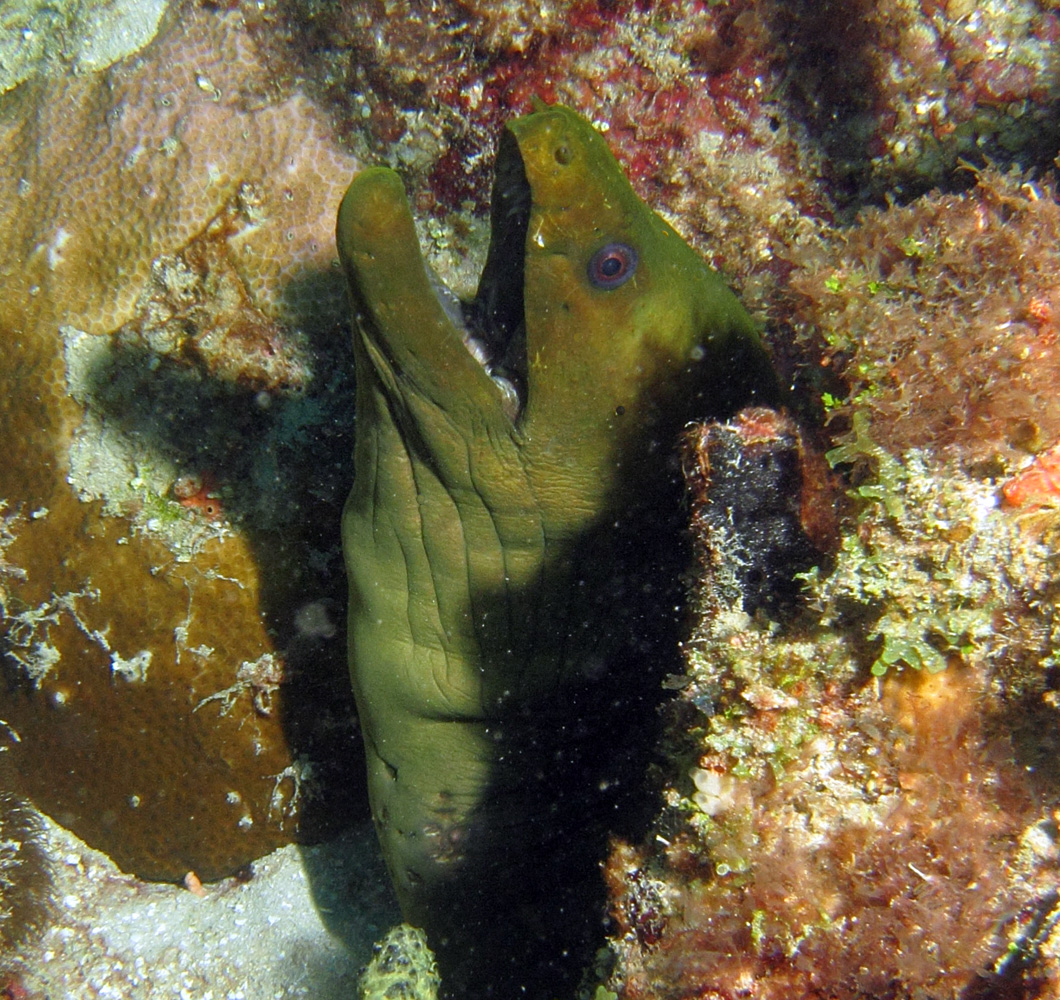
x,y
431,84
1038,485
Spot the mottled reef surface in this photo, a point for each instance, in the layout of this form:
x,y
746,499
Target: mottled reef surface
x,y
857,790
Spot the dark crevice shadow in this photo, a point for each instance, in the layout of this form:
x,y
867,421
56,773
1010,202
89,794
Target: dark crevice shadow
x,y
835,53
280,462
351,889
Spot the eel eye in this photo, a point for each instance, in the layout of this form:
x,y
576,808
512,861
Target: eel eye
x,y
612,265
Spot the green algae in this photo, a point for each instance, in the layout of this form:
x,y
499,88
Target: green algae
x,y
923,583
402,968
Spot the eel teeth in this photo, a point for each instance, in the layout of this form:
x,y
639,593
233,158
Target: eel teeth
x,y
493,324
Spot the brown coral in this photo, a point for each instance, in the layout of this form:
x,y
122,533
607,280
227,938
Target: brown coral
x,y
125,616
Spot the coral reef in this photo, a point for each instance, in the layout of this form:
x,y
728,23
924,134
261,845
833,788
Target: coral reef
x,y
171,315
888,101
751,126
935,337
860,781
897,852
897,94
826,834
813,813
903,579
430,85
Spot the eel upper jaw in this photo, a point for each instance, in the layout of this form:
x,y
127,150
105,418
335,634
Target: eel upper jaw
x,y
493,324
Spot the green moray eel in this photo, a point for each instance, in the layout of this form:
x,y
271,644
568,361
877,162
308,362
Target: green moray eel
x,y
512,538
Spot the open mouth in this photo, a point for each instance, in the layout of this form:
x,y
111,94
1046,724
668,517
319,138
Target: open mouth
x,y
493,323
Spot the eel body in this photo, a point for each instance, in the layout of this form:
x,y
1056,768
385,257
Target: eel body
x,y
512,538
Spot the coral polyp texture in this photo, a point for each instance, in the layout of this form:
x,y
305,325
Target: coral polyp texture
x,y
168,325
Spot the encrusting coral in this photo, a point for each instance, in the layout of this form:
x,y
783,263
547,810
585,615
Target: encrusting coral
x,y
167,251
823,833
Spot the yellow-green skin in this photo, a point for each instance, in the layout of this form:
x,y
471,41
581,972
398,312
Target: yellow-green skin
x,y
493,560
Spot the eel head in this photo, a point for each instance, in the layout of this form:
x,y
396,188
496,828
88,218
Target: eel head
x,y
596,331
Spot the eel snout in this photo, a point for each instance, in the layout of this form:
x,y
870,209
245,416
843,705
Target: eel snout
x,y
376,231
